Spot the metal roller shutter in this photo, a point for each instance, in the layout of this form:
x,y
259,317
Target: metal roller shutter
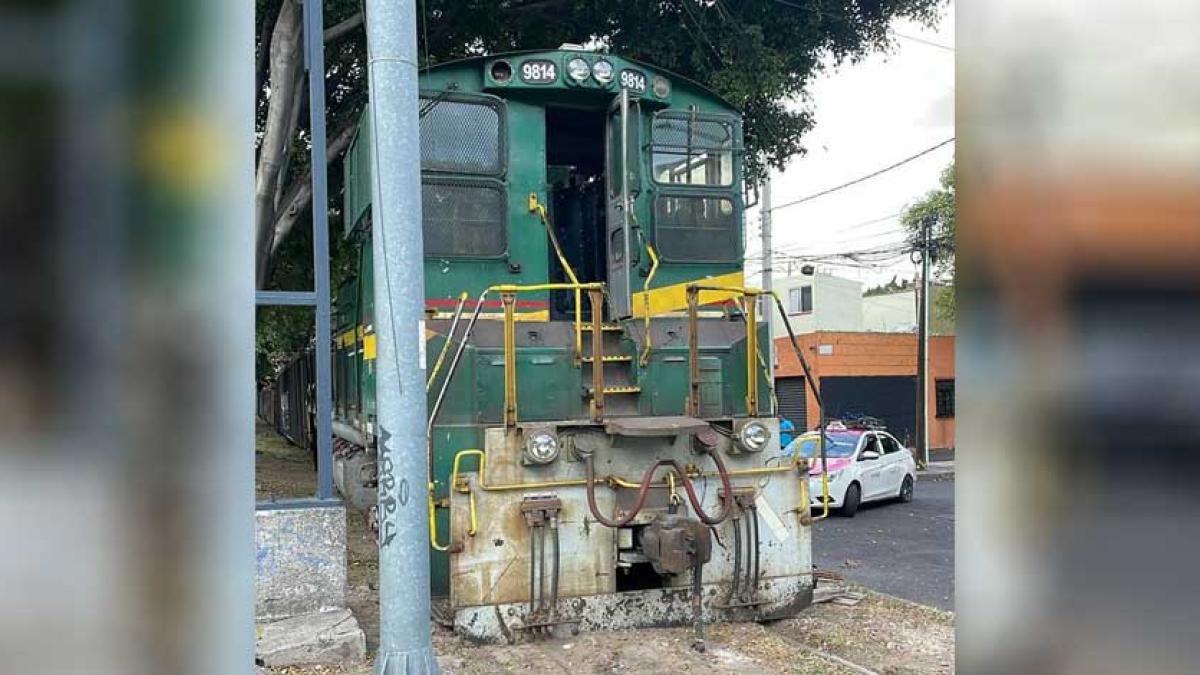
x,y
793,403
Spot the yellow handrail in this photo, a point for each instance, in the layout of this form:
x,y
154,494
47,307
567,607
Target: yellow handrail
x,y
433,542
646,296
749,294
537,207
437,366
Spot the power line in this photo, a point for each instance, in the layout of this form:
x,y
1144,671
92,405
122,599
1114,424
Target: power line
x,y
923,41
869,176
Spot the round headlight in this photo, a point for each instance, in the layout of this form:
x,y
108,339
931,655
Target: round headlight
x,y
754,436
603,72
541,448
661,86
578,69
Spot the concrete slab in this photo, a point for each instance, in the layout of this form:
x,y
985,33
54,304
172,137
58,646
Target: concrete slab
x,y
319,638
301,558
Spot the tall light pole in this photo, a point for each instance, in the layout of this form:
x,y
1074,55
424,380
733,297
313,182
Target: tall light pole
x,y
923,348
404,628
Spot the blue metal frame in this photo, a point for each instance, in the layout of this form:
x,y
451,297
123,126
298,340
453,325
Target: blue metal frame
x,y
314,61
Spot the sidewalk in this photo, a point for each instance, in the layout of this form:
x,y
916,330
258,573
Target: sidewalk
x,y
937,470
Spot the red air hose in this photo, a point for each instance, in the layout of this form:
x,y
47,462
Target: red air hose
x,y
644,490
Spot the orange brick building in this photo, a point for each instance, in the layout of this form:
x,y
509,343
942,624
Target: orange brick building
x,y
871,374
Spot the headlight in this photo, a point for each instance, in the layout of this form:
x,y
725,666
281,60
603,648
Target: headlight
x,y
661,86
834,475
541,448
578,69
603,72
754,436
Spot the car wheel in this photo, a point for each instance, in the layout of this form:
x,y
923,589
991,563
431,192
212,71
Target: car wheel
x,y
906,490
852,500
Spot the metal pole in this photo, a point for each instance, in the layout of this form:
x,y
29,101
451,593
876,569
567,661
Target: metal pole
x,y
404,629
767,272
314,40
923,350
627,301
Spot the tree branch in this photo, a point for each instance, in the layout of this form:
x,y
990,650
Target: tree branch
x,y
339,30
300,193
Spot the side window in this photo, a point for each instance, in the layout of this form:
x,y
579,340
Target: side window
x,y
872,443
800,300
890,445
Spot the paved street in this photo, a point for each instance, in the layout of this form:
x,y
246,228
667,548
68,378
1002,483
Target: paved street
x,y
906,550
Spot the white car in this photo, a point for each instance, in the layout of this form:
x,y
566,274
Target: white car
x,y
864,465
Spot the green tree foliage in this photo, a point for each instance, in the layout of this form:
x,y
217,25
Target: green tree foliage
x,y
758,54
938,208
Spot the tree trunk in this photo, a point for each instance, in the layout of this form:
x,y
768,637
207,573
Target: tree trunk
x,y
286,62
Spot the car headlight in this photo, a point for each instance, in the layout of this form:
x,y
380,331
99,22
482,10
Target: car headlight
x,y
754,436
603,72
541,448
834,475
578,69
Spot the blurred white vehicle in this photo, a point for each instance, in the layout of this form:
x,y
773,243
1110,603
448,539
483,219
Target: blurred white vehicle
x,y
864,465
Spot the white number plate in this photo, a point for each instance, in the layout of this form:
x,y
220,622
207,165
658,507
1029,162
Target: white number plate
x,y
539,72
633,80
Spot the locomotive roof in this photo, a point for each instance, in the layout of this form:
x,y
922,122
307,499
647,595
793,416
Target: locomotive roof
x,y
675,77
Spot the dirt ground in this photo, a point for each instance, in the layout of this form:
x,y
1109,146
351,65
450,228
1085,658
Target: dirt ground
x,y
880,634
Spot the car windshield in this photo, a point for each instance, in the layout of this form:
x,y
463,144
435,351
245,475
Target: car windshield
x,y
837,444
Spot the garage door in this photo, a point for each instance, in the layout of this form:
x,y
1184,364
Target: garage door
x,y
793,404
892,399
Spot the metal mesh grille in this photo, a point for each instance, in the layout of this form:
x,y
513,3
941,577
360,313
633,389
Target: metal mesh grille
x,y
701,229
693,151
460,136
463,218
682,131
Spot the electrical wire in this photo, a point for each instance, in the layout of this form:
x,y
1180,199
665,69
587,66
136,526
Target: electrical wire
x,y
869,176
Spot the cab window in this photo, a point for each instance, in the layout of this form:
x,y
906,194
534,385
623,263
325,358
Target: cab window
x,y
693,150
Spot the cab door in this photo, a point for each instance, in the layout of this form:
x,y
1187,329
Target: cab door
x,y
624,183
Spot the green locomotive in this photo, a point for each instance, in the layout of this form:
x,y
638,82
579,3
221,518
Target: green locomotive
x,y
602,443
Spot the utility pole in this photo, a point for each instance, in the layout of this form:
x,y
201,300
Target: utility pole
x,y
404,606
923,348
767,272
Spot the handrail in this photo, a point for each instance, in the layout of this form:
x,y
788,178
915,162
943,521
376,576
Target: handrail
x,y
646,297
749,296
462,346
509,299
693,292
596,297
536,207
437,366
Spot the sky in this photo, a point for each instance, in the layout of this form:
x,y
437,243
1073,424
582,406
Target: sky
x,y
868,115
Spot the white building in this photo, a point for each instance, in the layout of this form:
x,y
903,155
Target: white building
x,y
819,302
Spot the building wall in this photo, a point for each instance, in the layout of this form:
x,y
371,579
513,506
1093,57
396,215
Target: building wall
x,y
871,355
836,305
890,313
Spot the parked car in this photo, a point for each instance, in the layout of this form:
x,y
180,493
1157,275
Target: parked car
x,y
864,465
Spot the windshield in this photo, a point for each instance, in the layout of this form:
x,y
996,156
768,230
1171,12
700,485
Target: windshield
x,y
837,444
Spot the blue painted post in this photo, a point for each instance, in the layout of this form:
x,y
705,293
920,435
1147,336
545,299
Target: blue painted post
x,y
314,40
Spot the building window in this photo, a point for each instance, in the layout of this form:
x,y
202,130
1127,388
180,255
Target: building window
x,y
800,300
944,398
